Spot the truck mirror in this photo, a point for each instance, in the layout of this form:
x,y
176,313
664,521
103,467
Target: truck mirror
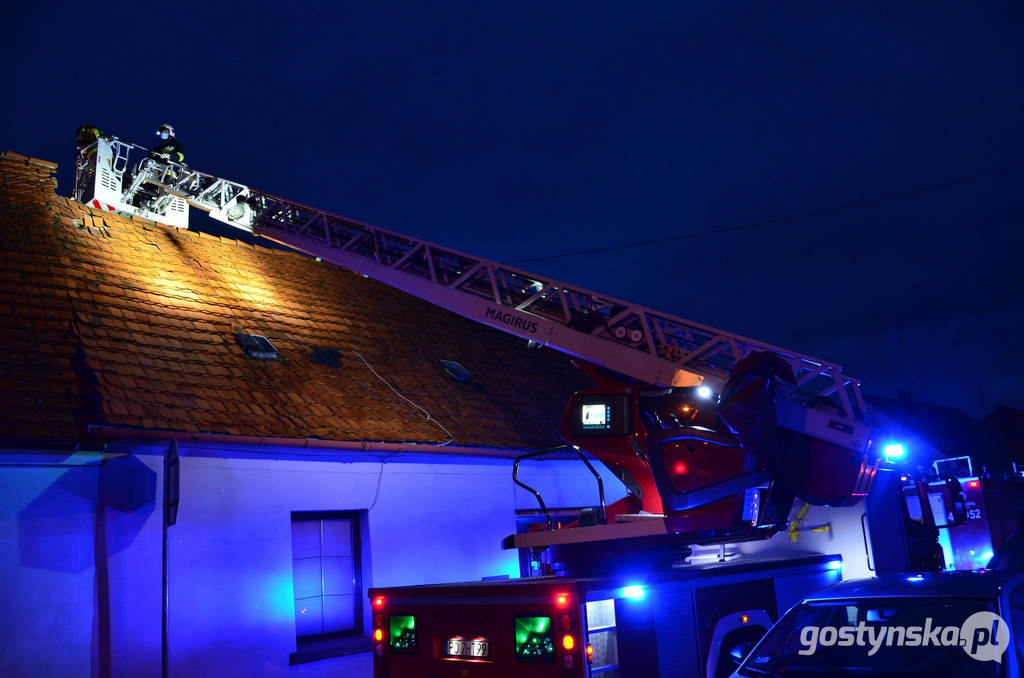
x,y
740,652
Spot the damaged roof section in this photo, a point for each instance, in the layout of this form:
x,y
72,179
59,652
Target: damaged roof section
x,y
111,321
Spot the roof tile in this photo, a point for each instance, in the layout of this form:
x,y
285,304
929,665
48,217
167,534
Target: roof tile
x,y
105,319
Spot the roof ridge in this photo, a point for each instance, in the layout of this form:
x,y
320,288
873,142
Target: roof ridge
x,y
18,157
131,221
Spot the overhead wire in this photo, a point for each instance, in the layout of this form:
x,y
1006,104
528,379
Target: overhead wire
x,y
780,220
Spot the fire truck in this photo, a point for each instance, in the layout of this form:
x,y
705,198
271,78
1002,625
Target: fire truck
x,y
726,447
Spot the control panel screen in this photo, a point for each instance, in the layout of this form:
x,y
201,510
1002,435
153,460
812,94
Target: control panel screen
x,y
596,417
600,415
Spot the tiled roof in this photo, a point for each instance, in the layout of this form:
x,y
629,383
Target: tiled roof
x,y
112,321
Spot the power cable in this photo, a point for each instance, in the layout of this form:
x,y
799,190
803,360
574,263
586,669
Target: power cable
x,y
779,220
430,419
380,477
978,321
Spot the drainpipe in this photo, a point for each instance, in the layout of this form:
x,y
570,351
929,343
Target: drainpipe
x,y
101,576
172,477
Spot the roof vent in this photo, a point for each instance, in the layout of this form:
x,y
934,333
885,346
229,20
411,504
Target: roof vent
x,y
327,356
257,346
455,370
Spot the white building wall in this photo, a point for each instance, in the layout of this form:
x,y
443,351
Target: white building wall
x,y
46,569
845,536
133,538
434,519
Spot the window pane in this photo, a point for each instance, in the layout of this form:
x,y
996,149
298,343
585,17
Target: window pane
x,y
600,613
338,576
306,577
308,617
605,648
337,538
323,573
339,613
305,538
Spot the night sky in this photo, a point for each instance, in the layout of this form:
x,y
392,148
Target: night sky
x,y
522,130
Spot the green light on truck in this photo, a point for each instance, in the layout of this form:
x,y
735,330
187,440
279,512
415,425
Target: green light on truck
x,y
402,633
533,639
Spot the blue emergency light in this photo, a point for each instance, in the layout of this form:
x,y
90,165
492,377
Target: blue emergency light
x,y
894,451
633,592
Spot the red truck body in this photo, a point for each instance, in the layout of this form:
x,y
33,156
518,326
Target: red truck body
x,y
679,623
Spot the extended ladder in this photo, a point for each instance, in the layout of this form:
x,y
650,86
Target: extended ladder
x,y
648,345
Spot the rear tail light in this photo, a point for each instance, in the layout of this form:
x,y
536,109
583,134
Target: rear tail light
x,y
378,635
378,602
562,601
568,642
590,652
566,622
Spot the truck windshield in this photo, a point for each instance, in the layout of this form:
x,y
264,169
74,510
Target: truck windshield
x,y
917,636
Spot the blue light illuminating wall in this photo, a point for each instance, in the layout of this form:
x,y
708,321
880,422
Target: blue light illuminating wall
x,y
46,569
231,549
436,519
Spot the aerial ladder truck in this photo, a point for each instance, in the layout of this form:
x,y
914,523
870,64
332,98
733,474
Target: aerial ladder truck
x,y
714,436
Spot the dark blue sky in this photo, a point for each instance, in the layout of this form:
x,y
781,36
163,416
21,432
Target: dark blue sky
x,y
519,130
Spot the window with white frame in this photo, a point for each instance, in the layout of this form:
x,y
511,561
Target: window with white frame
x,y
326,576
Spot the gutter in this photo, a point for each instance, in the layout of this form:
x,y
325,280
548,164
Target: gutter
x,y
124,432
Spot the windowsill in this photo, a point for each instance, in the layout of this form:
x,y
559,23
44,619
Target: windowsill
x,y
328,648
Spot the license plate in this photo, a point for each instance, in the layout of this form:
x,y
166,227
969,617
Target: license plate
x,y
470,649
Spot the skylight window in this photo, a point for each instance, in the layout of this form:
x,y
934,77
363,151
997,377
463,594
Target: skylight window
x,y
257,346
327,356
456,371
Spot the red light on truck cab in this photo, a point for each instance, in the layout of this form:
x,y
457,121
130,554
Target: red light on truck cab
x,y
378,602
562,600
568,643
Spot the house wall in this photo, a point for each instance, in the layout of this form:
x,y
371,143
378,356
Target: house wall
x,y
46,568
845,536
434,519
